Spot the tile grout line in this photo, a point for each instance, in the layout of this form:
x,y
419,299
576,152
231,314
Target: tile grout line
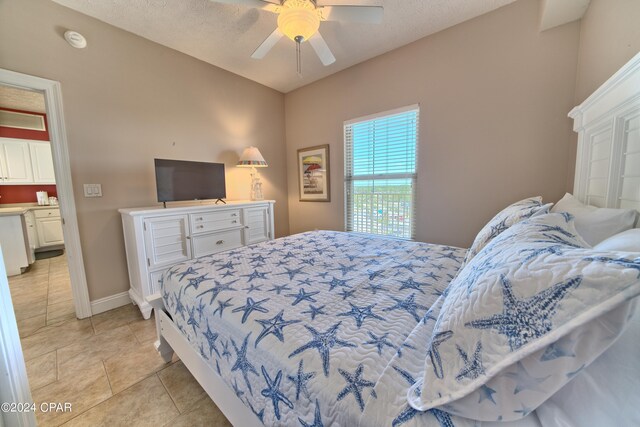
x,y
169,394
106,373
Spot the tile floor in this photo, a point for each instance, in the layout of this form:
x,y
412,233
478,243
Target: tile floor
x,y
105,366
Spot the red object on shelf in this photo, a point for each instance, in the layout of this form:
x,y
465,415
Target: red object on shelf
x,y
24,193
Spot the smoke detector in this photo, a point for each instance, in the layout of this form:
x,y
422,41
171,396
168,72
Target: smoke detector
x,y
75,39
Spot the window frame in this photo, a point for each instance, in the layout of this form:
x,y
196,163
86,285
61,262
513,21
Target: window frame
x,y
350,179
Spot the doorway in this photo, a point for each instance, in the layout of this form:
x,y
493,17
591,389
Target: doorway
x,y
67,269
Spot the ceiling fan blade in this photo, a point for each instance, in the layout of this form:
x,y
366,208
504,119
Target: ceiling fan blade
x,y
269,5
322,49
268,44
362,14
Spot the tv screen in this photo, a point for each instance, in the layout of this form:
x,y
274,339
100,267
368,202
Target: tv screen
x,y
182,180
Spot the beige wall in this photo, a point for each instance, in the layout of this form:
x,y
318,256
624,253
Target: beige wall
x,y
128,100
609,37
494,95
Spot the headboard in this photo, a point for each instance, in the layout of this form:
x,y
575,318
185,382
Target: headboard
x,y
608,126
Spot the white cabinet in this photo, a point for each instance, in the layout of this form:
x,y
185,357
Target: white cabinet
x,y
12,239
157,238
25,162
42,162
49,227
15,162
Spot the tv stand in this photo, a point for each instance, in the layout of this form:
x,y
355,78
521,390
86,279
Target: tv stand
x,y
220,200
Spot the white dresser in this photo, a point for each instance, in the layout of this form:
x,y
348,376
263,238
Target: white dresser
x,y
157,238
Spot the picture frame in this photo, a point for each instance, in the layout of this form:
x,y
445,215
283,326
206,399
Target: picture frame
x,y
314,174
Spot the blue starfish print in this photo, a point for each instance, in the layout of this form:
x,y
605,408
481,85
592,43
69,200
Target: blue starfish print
x,y
302,295
472,366
228,266
451,256
431,275
180,308
313,311
289,255
202,353
335,282
576,372
282,263
347,293
361,313
523,380
399,351
300,380
252,288
345,269
524,411
242,364
258,259
239,393
529,318
317,418
274,326
308,261
355,385
434,353
558,250
380,342
557,350
187,272
292,272
439,267
323,275
555,229
409,305
200,309
211,340
408,413
227,274
192,319
411,284
196,281
225,350
371,262
323,342
172,272
260,414
626,263
373,274
222,305
554,238
278,289
497,229
255,275
306,281
273,392
486,393
218,288
251,306
407,266
374,288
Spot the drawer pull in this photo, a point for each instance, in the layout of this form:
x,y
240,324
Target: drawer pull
x,y
234,214
200,226
199,219
220,242
234,222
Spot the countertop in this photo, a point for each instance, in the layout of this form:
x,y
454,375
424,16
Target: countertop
x,y
19,210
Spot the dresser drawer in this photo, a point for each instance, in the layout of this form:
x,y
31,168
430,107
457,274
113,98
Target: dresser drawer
x,y
46,213
207,244
211,221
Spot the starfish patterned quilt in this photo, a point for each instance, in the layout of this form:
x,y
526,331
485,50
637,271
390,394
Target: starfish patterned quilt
x,y
311,329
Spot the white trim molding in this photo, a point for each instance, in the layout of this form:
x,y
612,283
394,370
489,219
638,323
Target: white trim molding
x,y
58,137
109,303
14,384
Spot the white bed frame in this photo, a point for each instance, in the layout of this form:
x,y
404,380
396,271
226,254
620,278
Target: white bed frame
x,y
607,175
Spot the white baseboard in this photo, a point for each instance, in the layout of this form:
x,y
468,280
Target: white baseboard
x,y
109,303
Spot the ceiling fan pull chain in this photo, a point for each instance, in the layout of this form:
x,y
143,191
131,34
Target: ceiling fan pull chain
x,y
299,55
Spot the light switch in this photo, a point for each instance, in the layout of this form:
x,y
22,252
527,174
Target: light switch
x,y
92,190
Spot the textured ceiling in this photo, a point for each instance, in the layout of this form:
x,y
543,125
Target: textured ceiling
x,y
226,35
19,99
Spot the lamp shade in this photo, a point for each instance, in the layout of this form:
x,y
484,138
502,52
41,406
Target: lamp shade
x,y
252,158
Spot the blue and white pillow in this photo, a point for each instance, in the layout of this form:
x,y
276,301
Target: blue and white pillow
x,y
511,215
531,310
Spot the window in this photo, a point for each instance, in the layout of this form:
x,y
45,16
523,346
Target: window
x,y
380,173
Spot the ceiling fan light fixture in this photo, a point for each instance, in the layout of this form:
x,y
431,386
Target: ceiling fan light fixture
x,y
299,19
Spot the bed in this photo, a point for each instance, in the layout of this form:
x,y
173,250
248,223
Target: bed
x,y
328,328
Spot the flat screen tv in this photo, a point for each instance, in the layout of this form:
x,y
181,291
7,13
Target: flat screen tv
x,y
179,180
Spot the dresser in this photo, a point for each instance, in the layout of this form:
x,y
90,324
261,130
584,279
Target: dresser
x,y
157,238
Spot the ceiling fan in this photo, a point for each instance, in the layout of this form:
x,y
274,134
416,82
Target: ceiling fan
x,y
300,20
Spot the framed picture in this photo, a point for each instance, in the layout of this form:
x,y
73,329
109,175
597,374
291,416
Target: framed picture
x,y
313,174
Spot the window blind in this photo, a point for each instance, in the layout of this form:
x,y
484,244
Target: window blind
x,y
380,173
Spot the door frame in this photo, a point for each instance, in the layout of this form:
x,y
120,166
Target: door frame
x,y
64,185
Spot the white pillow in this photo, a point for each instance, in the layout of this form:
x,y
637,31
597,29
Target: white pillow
x,y
627,241
596,224
532,309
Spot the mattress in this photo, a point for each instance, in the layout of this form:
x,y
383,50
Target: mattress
x,y
317,329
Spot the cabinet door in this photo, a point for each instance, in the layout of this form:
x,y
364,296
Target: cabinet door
x,y
166,240
49,231
256,221
16,162
42,162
